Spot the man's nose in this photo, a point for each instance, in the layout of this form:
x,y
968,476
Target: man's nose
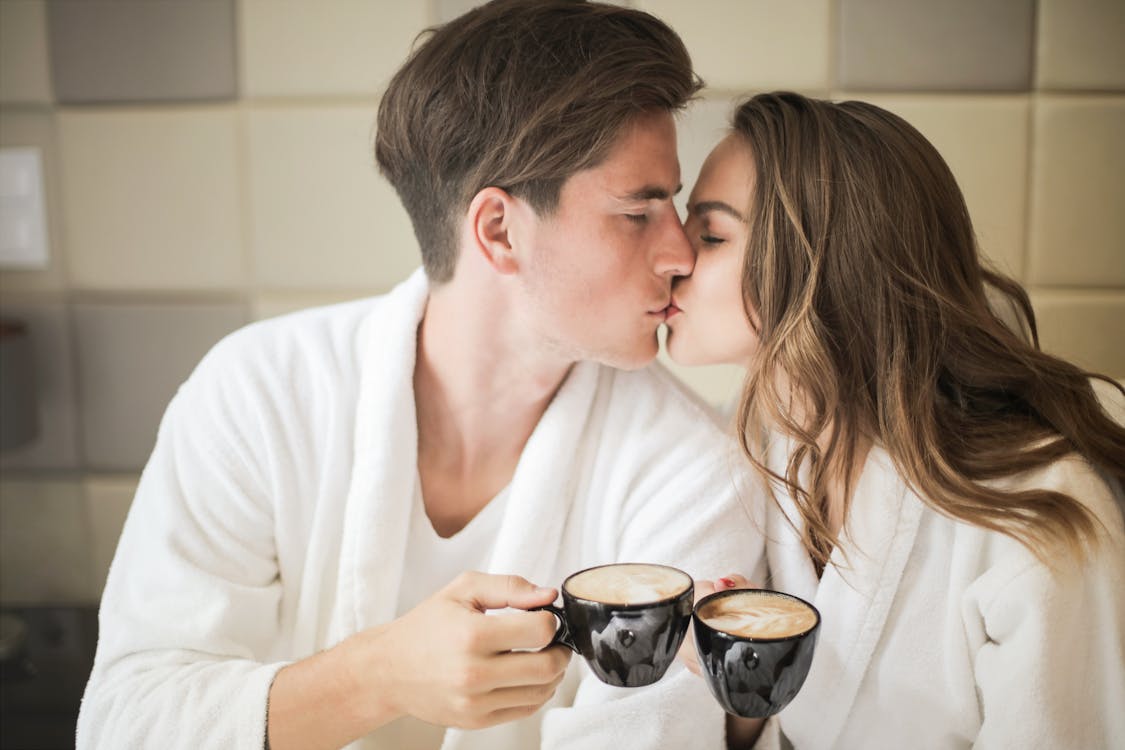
x,y
675,255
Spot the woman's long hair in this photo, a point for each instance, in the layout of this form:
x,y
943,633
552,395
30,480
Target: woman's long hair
x,y
864,282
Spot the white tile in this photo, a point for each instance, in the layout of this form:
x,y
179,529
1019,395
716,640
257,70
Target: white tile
x,y
1086,328
107,503
1078,184
753,44
311,48
151,198
984,140
1081,45
322,216
24,71
38,130
44,549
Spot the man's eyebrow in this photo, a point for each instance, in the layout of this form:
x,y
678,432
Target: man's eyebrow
x,y
651,193
705,206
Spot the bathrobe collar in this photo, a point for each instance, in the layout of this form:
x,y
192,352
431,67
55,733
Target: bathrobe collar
x,y
385,463
858,588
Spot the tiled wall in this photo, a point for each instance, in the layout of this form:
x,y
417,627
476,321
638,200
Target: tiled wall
x,y
207,164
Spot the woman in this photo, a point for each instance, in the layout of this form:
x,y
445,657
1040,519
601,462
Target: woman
x,y
946,494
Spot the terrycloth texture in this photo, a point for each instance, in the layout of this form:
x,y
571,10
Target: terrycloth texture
x,y
271,520
938,634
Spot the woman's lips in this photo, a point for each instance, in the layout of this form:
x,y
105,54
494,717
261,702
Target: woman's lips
x,y
671,311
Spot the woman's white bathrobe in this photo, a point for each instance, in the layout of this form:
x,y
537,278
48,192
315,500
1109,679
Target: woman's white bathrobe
x,y
939,634
271,521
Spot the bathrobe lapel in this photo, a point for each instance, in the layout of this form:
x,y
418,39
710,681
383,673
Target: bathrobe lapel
x,y
857,590
377,517
544,484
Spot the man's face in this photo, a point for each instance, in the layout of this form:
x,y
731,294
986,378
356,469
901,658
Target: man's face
x,y
596,274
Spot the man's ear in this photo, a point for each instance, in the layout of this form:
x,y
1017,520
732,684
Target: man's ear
x,y
490,216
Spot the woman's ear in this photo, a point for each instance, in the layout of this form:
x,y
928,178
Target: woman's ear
x,y
490,216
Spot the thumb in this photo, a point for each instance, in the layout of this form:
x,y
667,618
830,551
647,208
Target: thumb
x,y
483,591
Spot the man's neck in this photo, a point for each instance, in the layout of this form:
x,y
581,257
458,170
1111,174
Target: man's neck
x,y
479,392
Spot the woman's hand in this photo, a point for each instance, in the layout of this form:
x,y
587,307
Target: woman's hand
x,y
703,588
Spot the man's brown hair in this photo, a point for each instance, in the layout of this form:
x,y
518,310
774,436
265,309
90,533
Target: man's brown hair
x,y
520,95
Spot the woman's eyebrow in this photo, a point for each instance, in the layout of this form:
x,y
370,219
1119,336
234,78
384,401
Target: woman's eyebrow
x,y
704,206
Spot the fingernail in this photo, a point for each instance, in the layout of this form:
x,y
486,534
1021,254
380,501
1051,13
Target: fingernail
x,y
543,590
728,582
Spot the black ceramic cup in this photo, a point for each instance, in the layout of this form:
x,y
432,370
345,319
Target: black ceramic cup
x,y
755,647
627,620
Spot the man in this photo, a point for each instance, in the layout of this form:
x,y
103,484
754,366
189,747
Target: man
x,y
292,567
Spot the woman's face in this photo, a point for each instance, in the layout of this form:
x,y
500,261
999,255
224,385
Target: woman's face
x,y
710,325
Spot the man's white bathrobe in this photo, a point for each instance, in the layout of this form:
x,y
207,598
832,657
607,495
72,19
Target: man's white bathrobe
x,y
271,521
939,634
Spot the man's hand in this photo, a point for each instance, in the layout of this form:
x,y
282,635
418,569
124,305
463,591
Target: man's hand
x,y
447,663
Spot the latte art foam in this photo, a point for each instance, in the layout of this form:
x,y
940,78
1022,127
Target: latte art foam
x,y
628,583
758,615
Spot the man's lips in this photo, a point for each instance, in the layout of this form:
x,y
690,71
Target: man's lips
x,y
667,311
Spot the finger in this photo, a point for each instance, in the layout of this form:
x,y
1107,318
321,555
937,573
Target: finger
x,y
488,591
734,581
528,668
704,588
506,698
515,630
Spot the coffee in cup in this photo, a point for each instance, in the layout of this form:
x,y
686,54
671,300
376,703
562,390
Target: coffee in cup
x,y
755,647
626,619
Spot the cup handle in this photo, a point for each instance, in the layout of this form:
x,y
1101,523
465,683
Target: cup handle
x,y
562,635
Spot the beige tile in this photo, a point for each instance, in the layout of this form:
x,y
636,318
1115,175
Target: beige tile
x,y
753,44
698,129
273,304
56,399
1087,328
131,359
718,385
127,51
44,549
1081,45
24,73
954,45
311,48
984,142
321,214
107,503
1078,190
151,198
38,130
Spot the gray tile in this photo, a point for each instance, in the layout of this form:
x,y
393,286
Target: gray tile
x,y
156,50
919,45
131,360
44,545
56,446
107,504
447,10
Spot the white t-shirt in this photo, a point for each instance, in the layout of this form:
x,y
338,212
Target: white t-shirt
x,y
431,562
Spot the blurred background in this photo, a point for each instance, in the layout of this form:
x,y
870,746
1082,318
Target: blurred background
x,y
174,169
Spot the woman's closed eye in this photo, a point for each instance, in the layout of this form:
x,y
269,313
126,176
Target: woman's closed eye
x,y
711,239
